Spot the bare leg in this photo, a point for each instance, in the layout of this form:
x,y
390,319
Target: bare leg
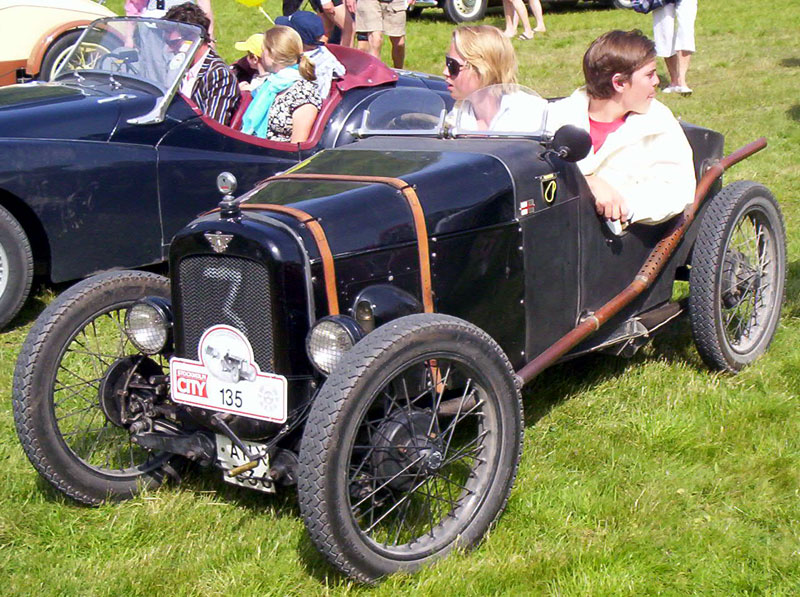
x,y
536,9
398,50
522,13
375,42
683,60
344,21
509,15
672,68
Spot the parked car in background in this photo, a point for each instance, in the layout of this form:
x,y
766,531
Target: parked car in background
x,y
36,35
462,11
101,166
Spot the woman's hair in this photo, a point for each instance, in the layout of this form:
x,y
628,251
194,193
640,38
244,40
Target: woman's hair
x,y
489,52
615,52
286,48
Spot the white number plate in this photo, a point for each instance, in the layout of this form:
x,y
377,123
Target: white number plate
x,y
229,457
228,379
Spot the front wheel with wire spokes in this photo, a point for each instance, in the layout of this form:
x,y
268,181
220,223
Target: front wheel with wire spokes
x,y
411,447
738,275
68,382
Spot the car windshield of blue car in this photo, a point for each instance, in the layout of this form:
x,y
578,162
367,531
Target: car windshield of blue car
x,y
152,51
499,111
404,111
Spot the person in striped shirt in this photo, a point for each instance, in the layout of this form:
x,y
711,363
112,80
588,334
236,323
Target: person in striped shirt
x,y
208,82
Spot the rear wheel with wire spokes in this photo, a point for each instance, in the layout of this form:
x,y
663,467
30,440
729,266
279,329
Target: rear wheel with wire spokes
x,y
71,407
738,275
411,447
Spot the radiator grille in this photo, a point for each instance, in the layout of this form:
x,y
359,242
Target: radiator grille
x,y
216,289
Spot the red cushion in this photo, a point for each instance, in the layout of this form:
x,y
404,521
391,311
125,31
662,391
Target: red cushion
x,y
245,97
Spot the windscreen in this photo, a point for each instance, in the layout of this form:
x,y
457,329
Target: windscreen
x,y
404,111
152,50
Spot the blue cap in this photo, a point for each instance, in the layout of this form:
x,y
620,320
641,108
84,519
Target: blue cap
x,y
307,24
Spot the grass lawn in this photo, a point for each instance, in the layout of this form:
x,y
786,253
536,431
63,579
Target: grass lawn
x,y
642,476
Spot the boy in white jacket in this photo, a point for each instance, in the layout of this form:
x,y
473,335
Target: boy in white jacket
x,y
640,166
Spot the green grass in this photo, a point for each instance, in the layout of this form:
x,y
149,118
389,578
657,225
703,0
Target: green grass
x,y
643,476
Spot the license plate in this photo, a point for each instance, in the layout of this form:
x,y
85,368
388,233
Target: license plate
x,y
227,378
229,457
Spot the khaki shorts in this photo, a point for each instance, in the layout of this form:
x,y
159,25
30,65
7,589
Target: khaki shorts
x,y
388,17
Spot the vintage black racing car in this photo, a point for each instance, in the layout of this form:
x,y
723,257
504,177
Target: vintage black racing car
x,y
101,166
361,326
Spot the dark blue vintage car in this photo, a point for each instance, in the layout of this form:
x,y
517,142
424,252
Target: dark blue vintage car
x,y
362,325
103,165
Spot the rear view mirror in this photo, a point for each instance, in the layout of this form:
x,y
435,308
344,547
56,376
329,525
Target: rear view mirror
x,y
572,143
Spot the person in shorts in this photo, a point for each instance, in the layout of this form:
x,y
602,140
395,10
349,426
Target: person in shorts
x,y
376,18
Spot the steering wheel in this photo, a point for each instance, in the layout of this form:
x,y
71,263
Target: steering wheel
x,y
120,61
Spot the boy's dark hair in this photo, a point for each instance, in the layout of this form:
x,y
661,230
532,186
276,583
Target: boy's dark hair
x,y
615,52
192,14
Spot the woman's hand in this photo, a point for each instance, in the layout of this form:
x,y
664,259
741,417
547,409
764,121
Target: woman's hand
x,y
607,201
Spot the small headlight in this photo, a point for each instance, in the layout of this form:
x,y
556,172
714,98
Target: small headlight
x,y
148,323
329,339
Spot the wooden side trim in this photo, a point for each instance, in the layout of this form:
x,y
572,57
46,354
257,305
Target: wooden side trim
x,y
328,270
410,195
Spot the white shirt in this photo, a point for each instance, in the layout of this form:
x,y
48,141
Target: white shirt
x,y
519,112
326,66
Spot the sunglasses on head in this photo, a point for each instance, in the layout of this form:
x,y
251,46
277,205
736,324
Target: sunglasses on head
x,y
453,66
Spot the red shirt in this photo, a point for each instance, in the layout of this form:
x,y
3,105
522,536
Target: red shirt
x,y
598,131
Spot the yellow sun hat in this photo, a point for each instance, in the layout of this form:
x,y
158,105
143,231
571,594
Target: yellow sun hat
x,y
253,44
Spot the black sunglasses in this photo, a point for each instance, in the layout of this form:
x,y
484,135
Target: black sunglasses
x,y
453,66
174,44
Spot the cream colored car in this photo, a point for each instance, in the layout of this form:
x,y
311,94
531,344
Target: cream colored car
x,y
35,35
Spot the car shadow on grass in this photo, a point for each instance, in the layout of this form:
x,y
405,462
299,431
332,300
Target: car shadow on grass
x,y
560,382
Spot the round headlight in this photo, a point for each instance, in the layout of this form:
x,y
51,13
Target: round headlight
x,y
329,339
148,323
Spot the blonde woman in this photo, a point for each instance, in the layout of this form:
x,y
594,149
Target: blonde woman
x,y
285,107
480,56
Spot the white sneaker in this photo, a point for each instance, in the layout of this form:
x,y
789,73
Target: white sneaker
x,y
683,90
671,89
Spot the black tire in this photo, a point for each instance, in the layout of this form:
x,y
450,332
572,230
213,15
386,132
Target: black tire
x,y
384,485
56,54
60,421
738,276
414,12
465,11
16,267
567,4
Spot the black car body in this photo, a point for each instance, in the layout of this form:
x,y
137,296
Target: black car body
x,y
362,325
103,165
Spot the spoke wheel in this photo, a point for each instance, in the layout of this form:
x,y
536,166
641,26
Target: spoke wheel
x,y
465,11
70,419
411,447
738,276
